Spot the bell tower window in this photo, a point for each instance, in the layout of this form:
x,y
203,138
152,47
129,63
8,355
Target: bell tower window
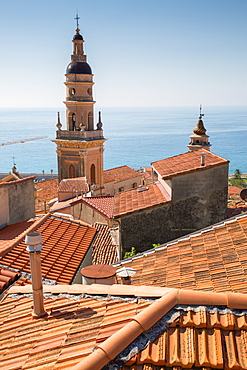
x,y
90,121
71,171
92,174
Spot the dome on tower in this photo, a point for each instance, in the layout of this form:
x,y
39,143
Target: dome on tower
x,y
79,68
77,37
199,129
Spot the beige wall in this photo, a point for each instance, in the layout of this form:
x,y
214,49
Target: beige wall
x,y
87,214
16,201
112,187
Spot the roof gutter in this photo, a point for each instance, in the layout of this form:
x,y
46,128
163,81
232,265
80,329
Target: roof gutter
x,y
144,320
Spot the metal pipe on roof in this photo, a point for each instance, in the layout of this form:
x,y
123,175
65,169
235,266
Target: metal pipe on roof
x,y
34,246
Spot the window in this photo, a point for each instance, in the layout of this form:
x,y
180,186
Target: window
x,y
71,171
92,174
121,189
90,121
134,185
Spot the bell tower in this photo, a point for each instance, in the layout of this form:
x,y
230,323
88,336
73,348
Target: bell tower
x,y
80,146
199,140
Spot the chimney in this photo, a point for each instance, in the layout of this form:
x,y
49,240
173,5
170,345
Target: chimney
x,y
202,159
34,246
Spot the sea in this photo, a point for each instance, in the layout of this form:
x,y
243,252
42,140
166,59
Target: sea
x,y
135,136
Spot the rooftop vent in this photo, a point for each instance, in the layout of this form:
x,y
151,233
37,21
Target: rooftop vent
x,y
125,273
203,159
34,246
98,274
142,189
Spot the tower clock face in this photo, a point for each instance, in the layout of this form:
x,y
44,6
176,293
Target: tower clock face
x,y
72,91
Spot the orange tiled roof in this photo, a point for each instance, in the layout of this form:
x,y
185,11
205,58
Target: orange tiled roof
x,y
85,332
213,259
7,277
138,199
9,234
187,162
78,184
65,243
47,189
104,249
119,174
234,191
103,204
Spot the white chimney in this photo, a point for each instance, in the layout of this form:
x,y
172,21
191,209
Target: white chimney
x,y
34,246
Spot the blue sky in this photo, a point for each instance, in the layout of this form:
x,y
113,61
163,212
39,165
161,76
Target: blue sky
x,y
142,53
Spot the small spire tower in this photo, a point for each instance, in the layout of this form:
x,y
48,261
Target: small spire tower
x,y
199,140
80,146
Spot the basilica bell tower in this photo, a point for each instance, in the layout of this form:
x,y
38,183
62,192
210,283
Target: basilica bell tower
x,y
80,146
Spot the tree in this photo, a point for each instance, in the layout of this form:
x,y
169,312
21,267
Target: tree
x,y
237,174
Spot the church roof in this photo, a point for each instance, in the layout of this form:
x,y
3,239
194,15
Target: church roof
x,y
187,162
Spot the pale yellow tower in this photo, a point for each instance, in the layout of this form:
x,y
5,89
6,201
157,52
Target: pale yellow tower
x,y
199,140
80,147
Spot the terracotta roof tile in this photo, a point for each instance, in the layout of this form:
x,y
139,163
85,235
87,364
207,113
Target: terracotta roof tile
x,y
78,185
211,259
82,327
103,204
47,189
65,243
11,233
7,277
104,248
187,162
120,174
141,198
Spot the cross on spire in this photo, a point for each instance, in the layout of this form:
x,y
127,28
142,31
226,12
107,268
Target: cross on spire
x,y
77,20
201,115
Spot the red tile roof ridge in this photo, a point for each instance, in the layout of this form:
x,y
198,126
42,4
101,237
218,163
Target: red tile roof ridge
x,y
149,316
36,224
17,181
180,296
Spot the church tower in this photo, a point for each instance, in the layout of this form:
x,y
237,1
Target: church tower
x,y
80,146
199,140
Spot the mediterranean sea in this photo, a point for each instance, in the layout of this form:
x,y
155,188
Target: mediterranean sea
x,y
136,136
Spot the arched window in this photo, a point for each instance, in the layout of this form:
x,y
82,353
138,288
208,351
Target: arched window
x,y
134,185
71,171
73,122
90,121
121,189
92,174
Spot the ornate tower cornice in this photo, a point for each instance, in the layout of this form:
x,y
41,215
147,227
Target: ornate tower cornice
x,y
199,140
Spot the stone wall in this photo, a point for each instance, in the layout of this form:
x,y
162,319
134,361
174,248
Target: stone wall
x,y
18,201
199,199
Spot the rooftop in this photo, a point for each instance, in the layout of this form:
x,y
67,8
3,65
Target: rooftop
x,y
140,198
104,248
212,259
103,204
187,162
142,328
65,243
78,185
47,189
120,174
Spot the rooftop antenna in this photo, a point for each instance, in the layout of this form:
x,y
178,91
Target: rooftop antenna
x,y
14,164
77,19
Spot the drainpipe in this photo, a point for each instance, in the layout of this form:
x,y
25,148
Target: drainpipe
x,y
34,246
